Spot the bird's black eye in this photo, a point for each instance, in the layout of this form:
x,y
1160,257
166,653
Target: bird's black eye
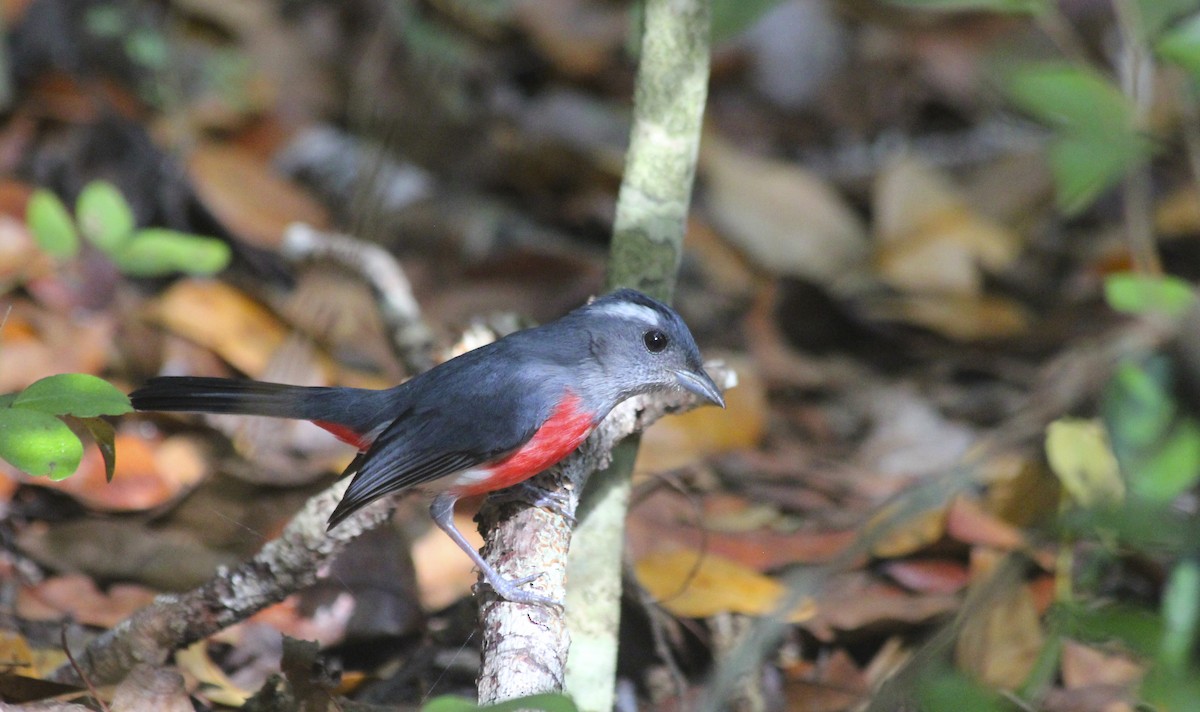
x,y
655,341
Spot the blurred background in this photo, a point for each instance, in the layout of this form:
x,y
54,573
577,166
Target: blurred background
x,y
905,213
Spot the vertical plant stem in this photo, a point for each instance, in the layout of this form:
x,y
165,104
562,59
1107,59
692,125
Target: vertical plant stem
x,y
1137,81
647,245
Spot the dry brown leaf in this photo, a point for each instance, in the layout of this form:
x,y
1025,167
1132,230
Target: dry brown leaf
x,y
20,256
147,687
35,343
733,514
124,549
928,575
1178,214
694,584
903,538
247,196
580,39
1026,497
294,618
833,685
785,219
854,600
1084,666
960,317
669,519
76,596
223,319
1000,644
688,437
929,239
966,521
726,270
15,653
194,663
139,482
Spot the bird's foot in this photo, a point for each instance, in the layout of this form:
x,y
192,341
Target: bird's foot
x,y
555,501
510,590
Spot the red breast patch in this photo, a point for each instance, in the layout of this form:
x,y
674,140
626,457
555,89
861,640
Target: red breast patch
x,y
563,431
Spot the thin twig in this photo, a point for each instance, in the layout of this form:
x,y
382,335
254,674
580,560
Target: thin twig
x,y
87,681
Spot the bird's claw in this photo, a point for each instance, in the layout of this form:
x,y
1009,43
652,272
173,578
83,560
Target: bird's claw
x,y
510,590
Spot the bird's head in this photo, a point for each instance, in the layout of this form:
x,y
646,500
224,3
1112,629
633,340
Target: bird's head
x,y
642,345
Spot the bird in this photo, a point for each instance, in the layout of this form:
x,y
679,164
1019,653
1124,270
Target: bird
x,y
486,420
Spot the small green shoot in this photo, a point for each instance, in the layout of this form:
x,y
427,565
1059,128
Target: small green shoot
x,y
106,220
51,224
1095,143
105,217
1146,294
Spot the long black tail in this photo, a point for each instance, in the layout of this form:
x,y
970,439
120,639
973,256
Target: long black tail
x,y
195,394
361,411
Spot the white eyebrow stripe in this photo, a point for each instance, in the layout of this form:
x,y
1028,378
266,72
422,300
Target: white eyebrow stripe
x,y
629,310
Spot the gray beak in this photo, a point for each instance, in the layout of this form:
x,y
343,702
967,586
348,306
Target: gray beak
x,y
698,382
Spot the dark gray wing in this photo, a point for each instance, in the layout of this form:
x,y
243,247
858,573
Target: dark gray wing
x,y
464,413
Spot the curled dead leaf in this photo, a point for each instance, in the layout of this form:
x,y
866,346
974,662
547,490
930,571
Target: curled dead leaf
x,y
783,217
223,319
693,584
248,196
929,239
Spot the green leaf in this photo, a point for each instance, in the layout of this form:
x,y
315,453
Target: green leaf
x,y
147,47
1138,629
157,251
106,21
51,224
949,691
104,215
1169,690
1181,615
1181,45
1138,407
1084,167
729,17
38,443
546,701
1096,144
105,438
1073,97
1144,294
1157,445
1172,467
1079,454
75,394
1155,15
1009,6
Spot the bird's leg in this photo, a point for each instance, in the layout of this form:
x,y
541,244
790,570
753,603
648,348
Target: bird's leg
x,y
442,512
526,492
